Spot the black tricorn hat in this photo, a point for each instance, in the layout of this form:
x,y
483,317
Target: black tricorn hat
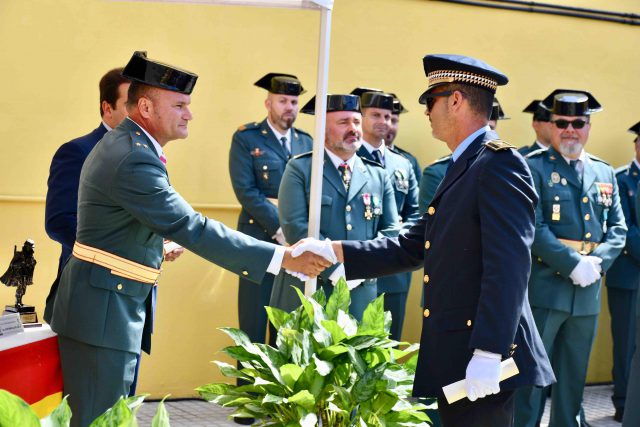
x,y
153,73
283,84
570,102
540,114
398,108
447,69
373,98
497,113
635,129
334,103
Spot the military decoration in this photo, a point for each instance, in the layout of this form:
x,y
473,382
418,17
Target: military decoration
x,y
563,181
605,193
256,152
555,177
402,183
377,206
368,212
555,212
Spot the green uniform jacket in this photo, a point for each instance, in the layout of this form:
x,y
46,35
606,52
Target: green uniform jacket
x,y
625,271
126,206
529,148
342,214
569,209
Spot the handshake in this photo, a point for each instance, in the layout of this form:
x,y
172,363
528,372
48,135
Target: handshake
x,y
309,257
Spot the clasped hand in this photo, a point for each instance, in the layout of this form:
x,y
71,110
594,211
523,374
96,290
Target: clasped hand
x,y
308,258
587,271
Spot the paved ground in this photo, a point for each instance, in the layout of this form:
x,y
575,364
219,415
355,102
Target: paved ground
x,y
197,413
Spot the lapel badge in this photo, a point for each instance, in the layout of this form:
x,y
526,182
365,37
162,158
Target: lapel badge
x,y
555,212
368,213
555,177
563,181
256,152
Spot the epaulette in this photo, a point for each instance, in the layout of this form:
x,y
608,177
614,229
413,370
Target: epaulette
x,y
371,162
598,159
298,156
498,145
536,153
442,159
302,132
623,169
252,125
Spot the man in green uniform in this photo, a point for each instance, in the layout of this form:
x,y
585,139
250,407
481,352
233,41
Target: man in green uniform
x,y
622,281
580,230
257,158
541,126
358,201
390,139
497,113
377,108
103,307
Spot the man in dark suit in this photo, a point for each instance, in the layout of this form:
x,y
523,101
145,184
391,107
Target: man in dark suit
x,y
623,279
61,208
390,139
541,126
474,243
126,206
257,158
377,108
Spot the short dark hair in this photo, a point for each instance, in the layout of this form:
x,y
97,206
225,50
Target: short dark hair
x,y
480,100
109,87
136,91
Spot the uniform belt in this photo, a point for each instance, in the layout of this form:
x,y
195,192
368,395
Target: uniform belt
x,y
273,200
119,266
581,246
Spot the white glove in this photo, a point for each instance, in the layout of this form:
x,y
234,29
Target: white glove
x,y
338,273
483,375
279,237
318,247
587,271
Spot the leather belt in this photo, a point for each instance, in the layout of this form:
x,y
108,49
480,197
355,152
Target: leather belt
x,y
119,266
581,246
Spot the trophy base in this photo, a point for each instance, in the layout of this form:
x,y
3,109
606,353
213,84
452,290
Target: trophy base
x,y
28,315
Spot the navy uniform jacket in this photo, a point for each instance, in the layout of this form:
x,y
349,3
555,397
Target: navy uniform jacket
x,y
431,178
256,164
342,215
61,209
405,187
126,206
584,211
414,162
625,271
474,245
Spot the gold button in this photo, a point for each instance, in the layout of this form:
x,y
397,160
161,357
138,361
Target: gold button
x,y
245,273
588,235
426,312
426,278
349,227
468,322
431,210
587,217
119,286
250,221
427,244
585,199
348,208
264,168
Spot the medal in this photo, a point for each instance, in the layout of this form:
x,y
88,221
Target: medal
x,y
555,177
605,193
555,212
366,199
377,210
563,181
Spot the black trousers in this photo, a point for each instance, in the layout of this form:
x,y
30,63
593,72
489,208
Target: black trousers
x,y
495,410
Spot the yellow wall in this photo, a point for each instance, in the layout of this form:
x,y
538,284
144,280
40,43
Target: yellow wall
x,y
54,51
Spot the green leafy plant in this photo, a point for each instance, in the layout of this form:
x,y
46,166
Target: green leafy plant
x,y
16,412
327,369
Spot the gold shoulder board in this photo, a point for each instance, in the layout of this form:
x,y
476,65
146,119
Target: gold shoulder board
x,y
498,145
241,128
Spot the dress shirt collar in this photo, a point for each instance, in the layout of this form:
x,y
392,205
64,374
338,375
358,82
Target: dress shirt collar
x,y
582,157
636,163
370,148
540,145
279,135
337,161
106,126
157,146
467,141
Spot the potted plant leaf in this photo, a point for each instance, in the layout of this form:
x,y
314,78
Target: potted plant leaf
x,y
327,370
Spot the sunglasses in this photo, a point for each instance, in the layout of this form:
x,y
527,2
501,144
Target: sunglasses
x,y
563,124
431,98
